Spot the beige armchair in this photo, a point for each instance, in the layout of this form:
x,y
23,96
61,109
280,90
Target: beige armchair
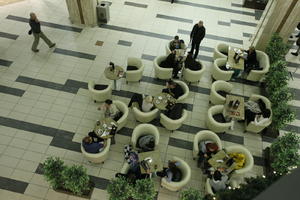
x,y
125,168
186,177
99,95
186,91
97,157
252,127
263,60
144,129
172,124
134,75
145,117
214,125
219,74
220,50
208,188
205,135
249,162
124,109
168,50
193,76
161,73
215,97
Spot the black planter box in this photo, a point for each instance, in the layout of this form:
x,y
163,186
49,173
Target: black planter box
x,y
255,4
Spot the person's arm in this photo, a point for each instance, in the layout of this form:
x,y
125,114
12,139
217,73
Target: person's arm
x,y
169,176
203,34
259,120
192,32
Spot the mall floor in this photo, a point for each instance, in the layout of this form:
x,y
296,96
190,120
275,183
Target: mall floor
x,y
45,107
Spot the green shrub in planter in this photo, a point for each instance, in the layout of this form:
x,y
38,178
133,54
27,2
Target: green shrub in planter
x,y
190,194
284,153
282,115
119,189
76,179
280,96
52,170
143,190
276,48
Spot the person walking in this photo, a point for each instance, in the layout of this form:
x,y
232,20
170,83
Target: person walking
x,y
196,37
37,33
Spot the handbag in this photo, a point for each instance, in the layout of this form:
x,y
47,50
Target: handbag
x,y
30,32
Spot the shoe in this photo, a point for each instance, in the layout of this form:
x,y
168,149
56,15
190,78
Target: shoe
x,y
291,37
35,51
297,35
52,45
295,54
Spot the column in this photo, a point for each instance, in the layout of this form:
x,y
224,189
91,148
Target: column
x,y
82,11
281,16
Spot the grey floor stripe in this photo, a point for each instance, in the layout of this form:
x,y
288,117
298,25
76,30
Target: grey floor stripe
x,y
213,37
134,31
13,185
100,183
8,35
258,14
267,139
108,2
212,7
178,19
139,5
124,43
223,23
297,111
259,161
148,57
247,34
234,21
11,91
49,24
75,53
292,128
5,63
183,144
236,5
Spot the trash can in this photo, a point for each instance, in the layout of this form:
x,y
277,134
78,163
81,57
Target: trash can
x,y
103,12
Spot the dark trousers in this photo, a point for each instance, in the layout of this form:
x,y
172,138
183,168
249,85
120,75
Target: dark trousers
x,y
195,45
249,115
162,173
95,137
136,98
172,1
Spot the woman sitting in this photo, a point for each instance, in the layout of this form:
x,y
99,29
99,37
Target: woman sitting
x,y
92,147
110,110
207,149
191,63
218,181
144,103
146,143
172,172
251,62
258,118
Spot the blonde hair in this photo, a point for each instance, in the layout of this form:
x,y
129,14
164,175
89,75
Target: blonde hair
x,y
149,99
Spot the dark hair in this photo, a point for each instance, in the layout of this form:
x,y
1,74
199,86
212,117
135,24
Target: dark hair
x,y
217,175
181,41
212,146
111,63
151,143
171,82
266,113
87,140
176,37
108,101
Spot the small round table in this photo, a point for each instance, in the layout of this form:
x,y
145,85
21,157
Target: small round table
x,y
162,100
103,128
114,75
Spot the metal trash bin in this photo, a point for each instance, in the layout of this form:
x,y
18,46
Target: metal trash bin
x,y
103,12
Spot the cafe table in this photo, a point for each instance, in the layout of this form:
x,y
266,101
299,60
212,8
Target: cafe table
x,y
162,100
238,65
153,159
218,161
104,127
114,74
231,111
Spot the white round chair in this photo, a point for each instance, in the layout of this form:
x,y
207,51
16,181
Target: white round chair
x,y
215,97
186,91
145,117
144,129
171,124
134,75
97,157
99,95
220,50
264,63
124,109
160,72
218,73
192,76
212,124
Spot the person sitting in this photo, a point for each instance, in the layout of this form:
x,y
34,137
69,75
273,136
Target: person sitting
x,y
206,150
258,118
146,143
172,172
171,62
90,146
175,44
144,103
173,89
251,62
110,110
95,137
174,111
218,181
191,63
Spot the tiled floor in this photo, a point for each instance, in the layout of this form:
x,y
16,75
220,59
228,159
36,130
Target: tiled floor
x,y
45,107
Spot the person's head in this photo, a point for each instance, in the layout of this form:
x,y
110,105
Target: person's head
x,y
32,16
251,49
149,99
151,143
266,113
212,147
176,38
181,41
171,84
111,64
217,175
200,23
171,164
87,140
107,103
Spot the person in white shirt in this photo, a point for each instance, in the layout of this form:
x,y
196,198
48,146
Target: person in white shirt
x,y
260,119
110,110
218,181
144,103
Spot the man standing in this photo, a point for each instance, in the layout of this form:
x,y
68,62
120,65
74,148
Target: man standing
x,y
37,33
196,37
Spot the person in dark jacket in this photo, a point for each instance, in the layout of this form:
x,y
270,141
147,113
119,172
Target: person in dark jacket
x,y
173,89
37,33
175,111
191,63
171,62
251,61
196,37
298,44
90,146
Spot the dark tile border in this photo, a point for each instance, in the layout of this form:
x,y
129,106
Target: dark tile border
x,y
74,53
234,21
259,161
172,18
13,185
223,23
11,91
5,63
124,43
247,34
8,35
148,57
139,5
49,24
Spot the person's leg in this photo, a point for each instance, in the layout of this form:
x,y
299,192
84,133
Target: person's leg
x,y
297,52
35,42
48,42
197,50
172,1
193,47
95,137
201,158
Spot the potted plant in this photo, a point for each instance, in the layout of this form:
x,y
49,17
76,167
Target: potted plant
x,y
255,4
119,189
190,194
276,48
144,190
283,154
52,169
